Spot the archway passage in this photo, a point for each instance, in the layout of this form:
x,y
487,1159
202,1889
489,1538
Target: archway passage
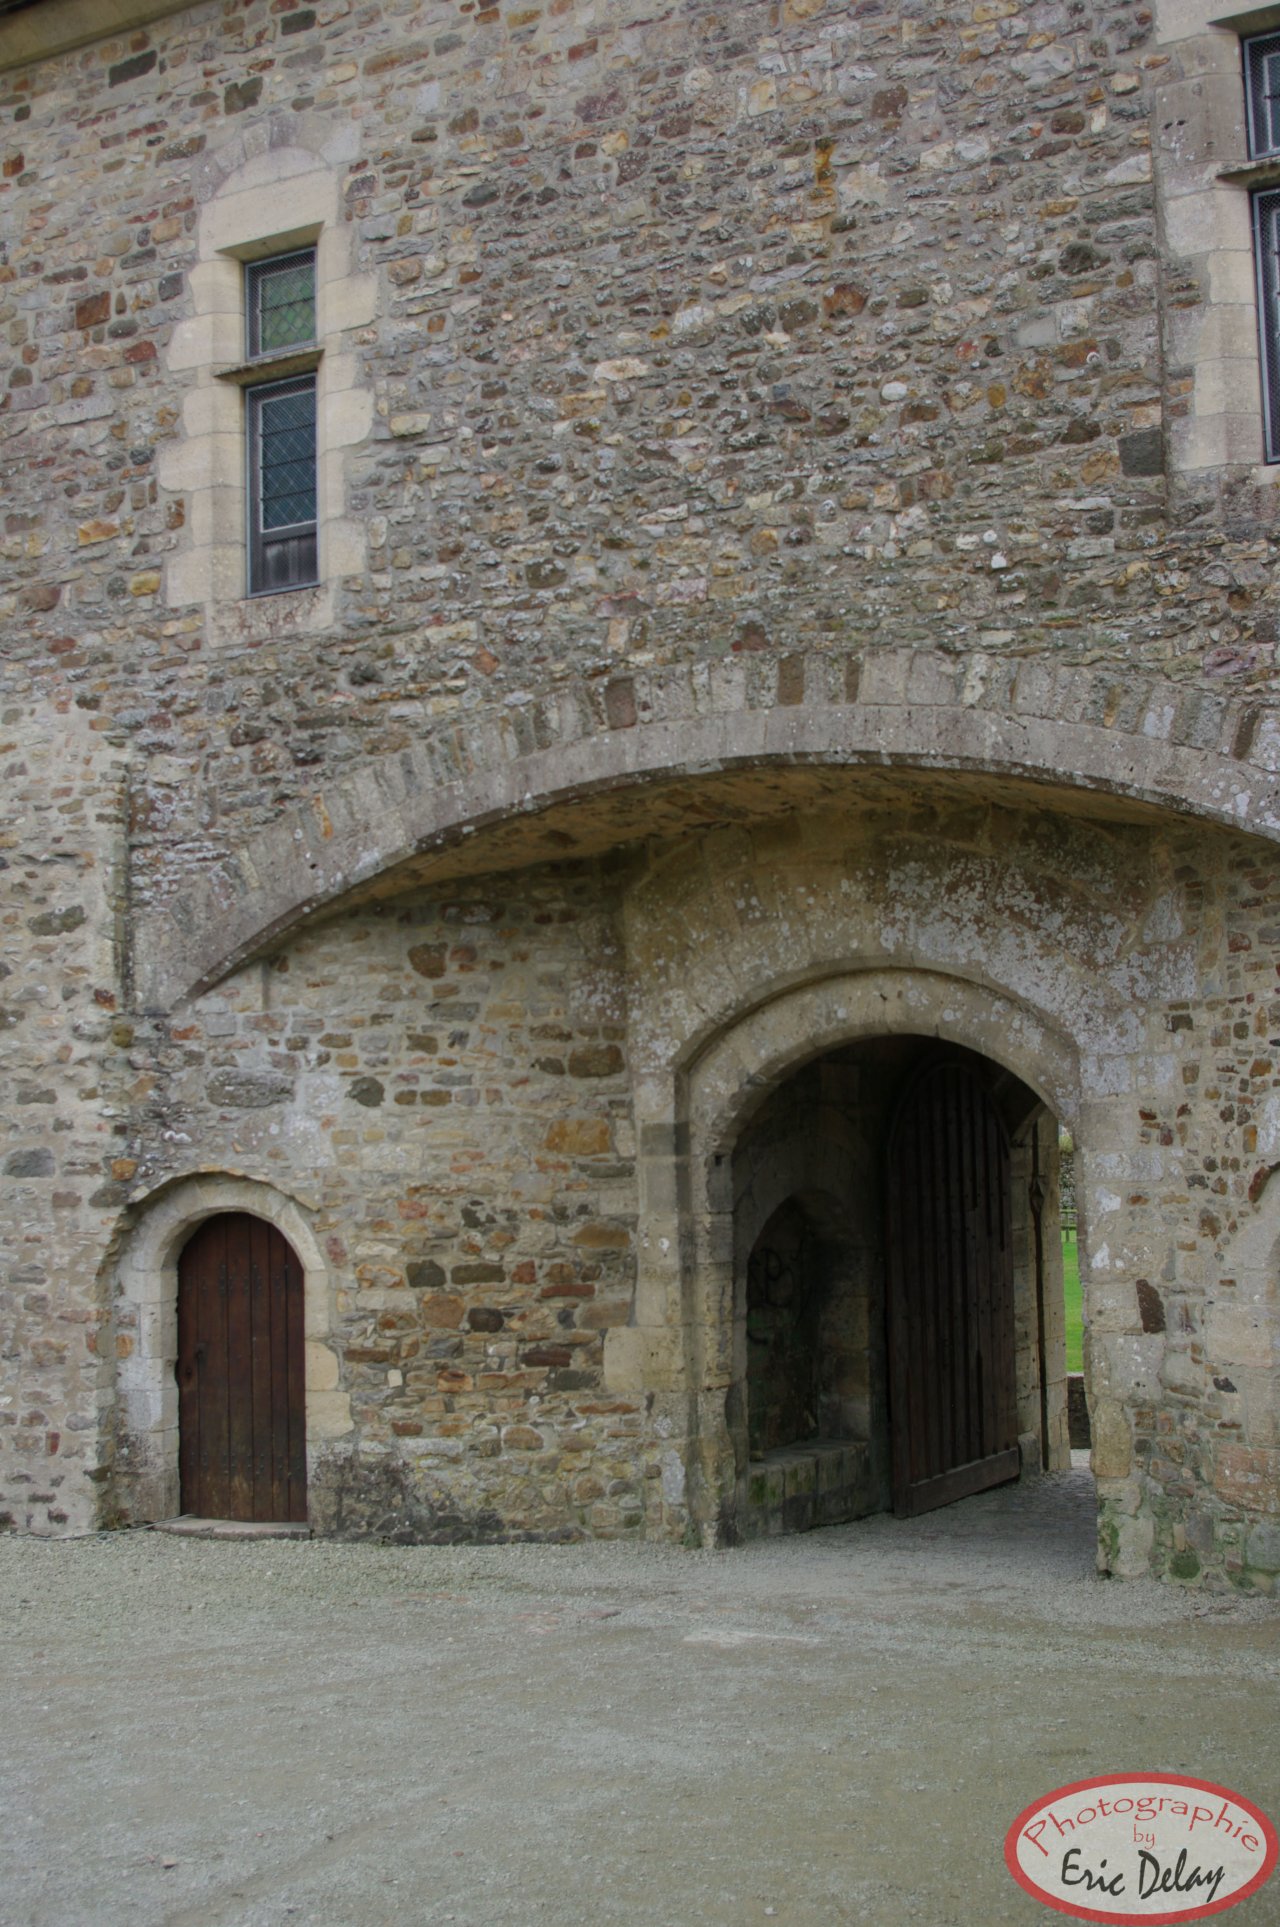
x,y
899,1337
241,1420
953,1388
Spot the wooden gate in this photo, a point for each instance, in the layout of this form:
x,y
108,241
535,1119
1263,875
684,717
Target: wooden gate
x,y
953,1393
241,1429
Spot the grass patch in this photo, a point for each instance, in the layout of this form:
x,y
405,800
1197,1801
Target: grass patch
x,y
1071,1293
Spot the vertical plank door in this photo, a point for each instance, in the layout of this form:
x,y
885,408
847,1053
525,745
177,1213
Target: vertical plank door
x,y
953,1394
241,1422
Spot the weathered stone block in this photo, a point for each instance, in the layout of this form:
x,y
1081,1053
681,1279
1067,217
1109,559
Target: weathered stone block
x,y
1249,1477
1262,1548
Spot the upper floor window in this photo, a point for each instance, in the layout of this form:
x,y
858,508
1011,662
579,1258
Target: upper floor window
x,y
282,302
281,423
1262,94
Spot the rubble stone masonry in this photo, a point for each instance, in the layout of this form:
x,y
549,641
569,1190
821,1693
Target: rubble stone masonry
x,y
796,564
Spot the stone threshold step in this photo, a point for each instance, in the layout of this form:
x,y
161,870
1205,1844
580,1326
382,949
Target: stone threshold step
x,y
189,1527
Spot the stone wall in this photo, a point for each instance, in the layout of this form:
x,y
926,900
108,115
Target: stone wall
x,y
63,1030
692,333
735,419
444,1087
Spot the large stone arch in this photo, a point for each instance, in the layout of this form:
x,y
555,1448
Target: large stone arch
x,y
587,766
144,1296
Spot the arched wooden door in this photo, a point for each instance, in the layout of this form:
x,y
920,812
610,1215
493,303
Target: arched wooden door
x,y
953,1409
241,1422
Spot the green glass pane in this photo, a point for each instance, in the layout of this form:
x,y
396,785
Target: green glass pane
x,y
285,297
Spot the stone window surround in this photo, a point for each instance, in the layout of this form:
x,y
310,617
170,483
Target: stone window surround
x,y
207,463
1205,180
145,1309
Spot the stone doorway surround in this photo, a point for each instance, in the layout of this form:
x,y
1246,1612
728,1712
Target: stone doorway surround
x,y
145,1319
687,1332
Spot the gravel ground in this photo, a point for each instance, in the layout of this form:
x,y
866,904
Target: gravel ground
x,y
821,1730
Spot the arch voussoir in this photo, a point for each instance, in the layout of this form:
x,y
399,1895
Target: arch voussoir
x,y
1156,743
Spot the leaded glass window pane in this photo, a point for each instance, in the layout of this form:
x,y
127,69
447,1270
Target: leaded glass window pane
x,y
1262,87
282,303
287,434
282,485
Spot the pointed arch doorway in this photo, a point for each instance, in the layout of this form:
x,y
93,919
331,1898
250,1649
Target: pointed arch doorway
x,y
240,1373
